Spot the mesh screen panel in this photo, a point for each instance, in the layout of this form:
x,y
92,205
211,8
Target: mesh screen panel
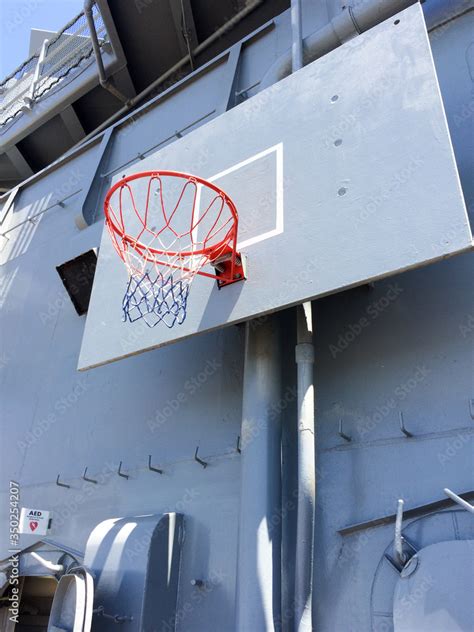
x,y
66,54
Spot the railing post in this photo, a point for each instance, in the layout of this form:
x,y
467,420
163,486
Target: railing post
x,y
31,96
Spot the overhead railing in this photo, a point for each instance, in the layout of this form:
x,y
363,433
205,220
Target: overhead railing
x,y
60,57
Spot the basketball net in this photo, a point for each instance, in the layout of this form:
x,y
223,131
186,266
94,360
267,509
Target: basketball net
x,y
166,231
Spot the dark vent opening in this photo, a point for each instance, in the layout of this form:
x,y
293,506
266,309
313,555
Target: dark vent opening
x,y
77,276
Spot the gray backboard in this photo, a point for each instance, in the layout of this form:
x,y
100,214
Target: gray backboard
x,y
342,173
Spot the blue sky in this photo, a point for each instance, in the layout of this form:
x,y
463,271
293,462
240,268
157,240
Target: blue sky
x,y
18,17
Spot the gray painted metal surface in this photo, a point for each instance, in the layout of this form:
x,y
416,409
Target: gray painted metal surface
x,y
335,209
404,345
258,597
136,562
73,603
305,518
437,575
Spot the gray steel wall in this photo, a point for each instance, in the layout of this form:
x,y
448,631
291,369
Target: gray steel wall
x,y
403,346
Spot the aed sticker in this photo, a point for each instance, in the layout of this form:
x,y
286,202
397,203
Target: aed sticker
x,y
34,521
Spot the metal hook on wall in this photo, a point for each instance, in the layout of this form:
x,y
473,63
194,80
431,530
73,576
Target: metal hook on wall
x,y
151,468
402,426
89,480
120,473
59,484
200,461
342,434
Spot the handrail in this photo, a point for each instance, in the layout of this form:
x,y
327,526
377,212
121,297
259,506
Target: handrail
x,y
13,74
36,76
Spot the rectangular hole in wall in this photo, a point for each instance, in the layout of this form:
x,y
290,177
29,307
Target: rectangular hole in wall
x,y
77,276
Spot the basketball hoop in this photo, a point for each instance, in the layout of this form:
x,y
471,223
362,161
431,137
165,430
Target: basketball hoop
x,y
166,226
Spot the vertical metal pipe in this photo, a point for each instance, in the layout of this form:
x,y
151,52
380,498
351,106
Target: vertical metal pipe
x,y
104,82
304,352
238,17
258,595
306,439
297,31
359,19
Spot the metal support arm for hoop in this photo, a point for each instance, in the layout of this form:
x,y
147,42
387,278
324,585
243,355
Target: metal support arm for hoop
x,y
165,243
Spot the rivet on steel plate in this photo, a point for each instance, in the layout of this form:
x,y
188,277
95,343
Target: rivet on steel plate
x,y
59,484
89,480
151,468
402,426
120,473
342,434
200,461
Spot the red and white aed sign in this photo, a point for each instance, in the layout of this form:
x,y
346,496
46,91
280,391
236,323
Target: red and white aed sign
x,y
34,521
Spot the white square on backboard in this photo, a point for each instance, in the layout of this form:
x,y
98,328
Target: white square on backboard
x,y
276,190
273,194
